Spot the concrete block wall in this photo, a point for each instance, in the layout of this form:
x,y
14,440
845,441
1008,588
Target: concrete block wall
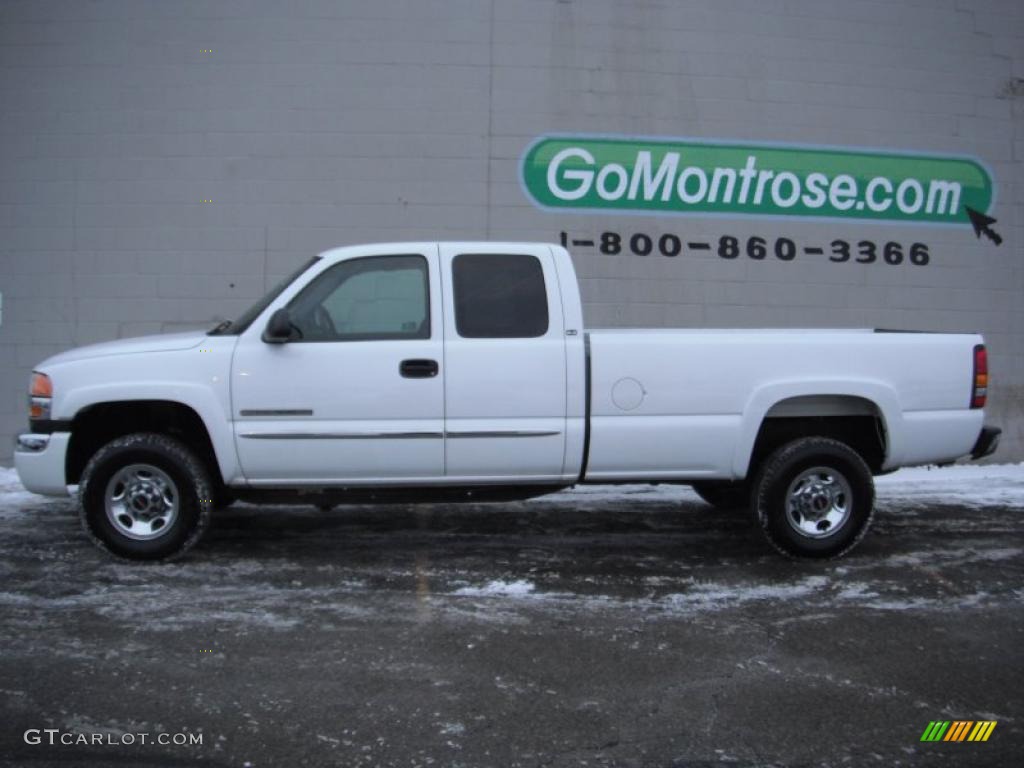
x,y
319,123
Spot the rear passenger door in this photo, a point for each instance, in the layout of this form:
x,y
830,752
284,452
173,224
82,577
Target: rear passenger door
x,y
504,362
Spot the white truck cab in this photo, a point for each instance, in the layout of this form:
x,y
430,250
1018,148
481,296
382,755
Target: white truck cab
x,y
430,371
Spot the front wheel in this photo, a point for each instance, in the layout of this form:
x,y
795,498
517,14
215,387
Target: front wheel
x,y
145,496
814,497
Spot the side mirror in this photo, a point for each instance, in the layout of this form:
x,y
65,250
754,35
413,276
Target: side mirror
x,y
279,328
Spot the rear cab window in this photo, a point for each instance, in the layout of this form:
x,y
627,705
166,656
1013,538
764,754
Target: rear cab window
x,y
499,296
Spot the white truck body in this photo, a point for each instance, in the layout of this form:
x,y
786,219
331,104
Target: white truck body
x,y
429,406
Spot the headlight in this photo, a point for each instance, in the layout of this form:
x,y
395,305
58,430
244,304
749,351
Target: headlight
x,y
40,396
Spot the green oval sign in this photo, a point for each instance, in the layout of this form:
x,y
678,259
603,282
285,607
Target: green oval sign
x,y
688,176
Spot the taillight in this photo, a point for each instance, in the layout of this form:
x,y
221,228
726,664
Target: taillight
x,y
40,396
980,392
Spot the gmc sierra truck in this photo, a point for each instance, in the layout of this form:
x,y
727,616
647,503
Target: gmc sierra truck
x,y
462,371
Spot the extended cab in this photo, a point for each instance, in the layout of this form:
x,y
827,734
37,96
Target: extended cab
x,y
447,371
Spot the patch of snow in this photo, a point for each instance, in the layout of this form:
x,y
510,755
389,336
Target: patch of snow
x,y
969,485
13,598
912,604
704,596
856,591
14,499
955,556
498,588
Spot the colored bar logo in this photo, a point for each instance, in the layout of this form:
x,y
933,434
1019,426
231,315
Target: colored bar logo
x,y
958,730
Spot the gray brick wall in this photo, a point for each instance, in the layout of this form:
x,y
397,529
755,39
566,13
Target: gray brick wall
x,y
313,124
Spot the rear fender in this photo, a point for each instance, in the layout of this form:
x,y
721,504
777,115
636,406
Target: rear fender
x,y
881,395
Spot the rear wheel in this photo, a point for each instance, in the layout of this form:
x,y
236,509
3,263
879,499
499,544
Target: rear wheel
x,y
145,497
814,497
724,495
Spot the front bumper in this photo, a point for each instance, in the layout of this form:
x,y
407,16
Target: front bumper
x,y
987,442
39,460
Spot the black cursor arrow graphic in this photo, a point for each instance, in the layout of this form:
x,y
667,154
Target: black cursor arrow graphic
x,y
982,225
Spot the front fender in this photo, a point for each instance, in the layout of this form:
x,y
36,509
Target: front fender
x,y
199,398
197,377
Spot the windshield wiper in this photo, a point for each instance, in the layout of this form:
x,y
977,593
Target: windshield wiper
x,y
221,327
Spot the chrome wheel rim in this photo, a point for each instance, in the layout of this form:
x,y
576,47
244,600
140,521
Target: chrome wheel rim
x,y
819,502
141,501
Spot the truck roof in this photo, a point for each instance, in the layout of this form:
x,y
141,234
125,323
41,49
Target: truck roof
x,y
402,247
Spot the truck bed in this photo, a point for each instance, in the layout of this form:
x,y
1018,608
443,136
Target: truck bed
x,y
711,388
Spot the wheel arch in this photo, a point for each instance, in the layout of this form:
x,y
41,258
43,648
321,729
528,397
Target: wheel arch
x,y
865,415
95,425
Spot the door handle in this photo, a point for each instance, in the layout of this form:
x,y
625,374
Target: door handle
x,y
418,369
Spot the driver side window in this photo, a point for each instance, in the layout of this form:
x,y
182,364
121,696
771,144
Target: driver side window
x,y
371,298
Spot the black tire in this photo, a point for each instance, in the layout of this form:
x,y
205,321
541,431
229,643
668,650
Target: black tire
x,y
806,513
179,476
724,495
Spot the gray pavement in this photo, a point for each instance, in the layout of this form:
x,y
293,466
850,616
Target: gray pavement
x,y
635,627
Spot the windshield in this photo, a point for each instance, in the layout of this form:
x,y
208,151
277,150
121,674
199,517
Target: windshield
x,y
235,327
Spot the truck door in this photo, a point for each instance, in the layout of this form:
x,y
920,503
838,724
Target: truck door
x,y
505,364
358,394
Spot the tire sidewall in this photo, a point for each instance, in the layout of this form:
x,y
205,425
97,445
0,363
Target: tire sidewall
x,y
773,485
185,472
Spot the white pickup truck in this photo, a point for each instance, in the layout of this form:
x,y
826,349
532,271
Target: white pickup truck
x,y
452,371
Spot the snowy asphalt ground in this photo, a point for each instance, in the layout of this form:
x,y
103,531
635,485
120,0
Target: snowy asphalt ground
x,y
629,626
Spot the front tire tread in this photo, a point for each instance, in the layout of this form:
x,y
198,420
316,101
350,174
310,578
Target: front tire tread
x,y
195,490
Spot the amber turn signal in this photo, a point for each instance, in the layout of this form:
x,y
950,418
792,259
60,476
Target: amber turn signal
x,y
41,385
